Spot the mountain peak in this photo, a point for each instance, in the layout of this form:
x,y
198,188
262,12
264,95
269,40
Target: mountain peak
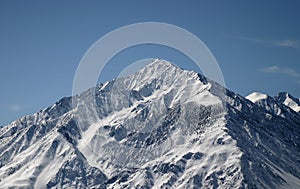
x,y
283,104
256,96
160,63
161,127
285,95
163,73
282,93
288,100
161,66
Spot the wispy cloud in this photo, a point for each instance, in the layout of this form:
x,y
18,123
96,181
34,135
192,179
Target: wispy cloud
x,y
14,108
289,43
285,71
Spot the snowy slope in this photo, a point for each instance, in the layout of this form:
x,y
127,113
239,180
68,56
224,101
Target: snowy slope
x,y
162,127
288,100
274,105
256,96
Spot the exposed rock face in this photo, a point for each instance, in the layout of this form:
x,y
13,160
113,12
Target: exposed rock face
x,y
162,127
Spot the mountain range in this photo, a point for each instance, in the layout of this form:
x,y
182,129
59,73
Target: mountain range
x,y
161,127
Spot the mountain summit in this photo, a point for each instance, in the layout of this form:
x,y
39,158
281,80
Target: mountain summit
x,y
289,101
161,127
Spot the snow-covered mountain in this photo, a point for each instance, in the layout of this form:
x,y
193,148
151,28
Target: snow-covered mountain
x,y
288,100
282,98
162,127
280,105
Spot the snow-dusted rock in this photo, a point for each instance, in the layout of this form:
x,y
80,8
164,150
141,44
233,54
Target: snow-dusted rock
x,y
162,127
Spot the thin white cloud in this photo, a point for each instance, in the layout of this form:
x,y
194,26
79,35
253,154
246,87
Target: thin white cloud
x,y
14,108
287,43
285,71
290,43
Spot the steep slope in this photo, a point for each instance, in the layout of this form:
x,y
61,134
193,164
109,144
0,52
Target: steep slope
x,y
274,106
162,127
267,103
34,149
269,142
288,100
166,137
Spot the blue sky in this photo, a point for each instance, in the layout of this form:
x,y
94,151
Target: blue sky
x,y
257,44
